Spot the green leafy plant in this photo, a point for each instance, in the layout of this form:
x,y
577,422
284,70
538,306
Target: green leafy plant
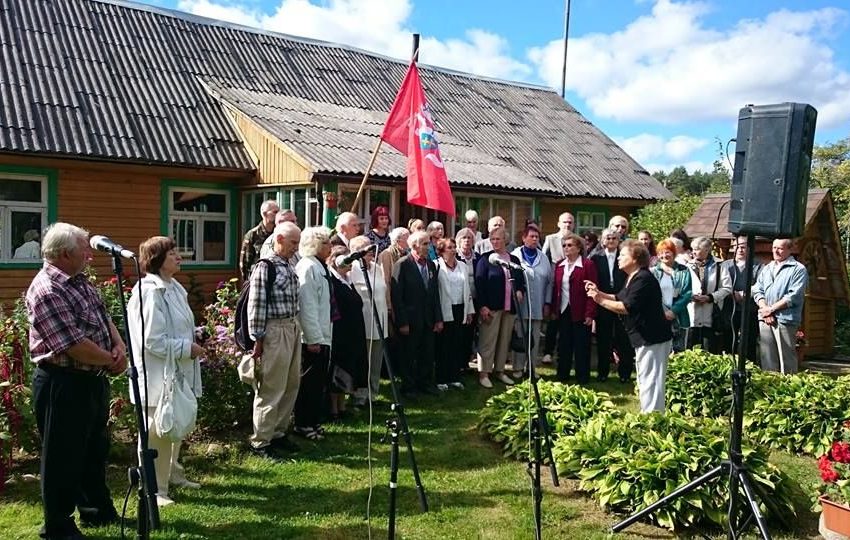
x,y
505,417
834,468
664,216
699,383
627,463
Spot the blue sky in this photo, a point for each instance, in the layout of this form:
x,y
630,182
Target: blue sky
x,y
663,78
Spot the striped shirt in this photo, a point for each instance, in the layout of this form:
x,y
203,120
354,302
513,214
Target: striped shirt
x,y
284,296
64,310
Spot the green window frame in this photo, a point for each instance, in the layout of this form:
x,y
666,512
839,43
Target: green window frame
x,y
196,227
594,219
19,216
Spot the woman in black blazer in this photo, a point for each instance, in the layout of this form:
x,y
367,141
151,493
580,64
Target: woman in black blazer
x,y
496,307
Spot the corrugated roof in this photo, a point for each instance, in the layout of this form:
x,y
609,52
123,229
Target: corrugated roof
x,y
119,80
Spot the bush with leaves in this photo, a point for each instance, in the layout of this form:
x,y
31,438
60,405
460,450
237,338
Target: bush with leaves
x,y
699,383
505,416
665,216
627,463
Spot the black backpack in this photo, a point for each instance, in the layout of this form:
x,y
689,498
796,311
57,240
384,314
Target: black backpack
x,y
240,321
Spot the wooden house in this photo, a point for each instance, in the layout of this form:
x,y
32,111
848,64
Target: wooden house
x,y
131,120
819,248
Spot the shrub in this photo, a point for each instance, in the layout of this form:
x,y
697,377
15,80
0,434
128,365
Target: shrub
x,y
627,463
834,468
505,416
699,383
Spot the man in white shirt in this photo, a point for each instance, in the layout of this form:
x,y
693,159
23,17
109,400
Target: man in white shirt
x,y
472,224
347,227
552,245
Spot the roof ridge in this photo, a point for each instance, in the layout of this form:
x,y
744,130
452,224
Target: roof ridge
x,y
199,19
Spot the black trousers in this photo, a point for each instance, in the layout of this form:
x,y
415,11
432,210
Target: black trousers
x,y
706,338
452,357
311,405
611,336
574,344
71,410
551,336
417,358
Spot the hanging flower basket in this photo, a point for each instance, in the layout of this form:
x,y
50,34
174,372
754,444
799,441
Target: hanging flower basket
x,y
836,517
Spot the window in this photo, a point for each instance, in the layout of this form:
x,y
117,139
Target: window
x,y
23,215
199,221
252,202
302,201
590,221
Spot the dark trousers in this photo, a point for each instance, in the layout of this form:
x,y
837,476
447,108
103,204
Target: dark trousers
x,y
732,336
417,360
574,344
706,338
451,356
551,336
312,401
611,336
71,411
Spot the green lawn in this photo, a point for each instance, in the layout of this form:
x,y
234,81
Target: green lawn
x,y
322,491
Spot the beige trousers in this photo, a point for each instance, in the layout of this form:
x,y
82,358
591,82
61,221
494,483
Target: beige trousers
x,y
279,375
494,339
165,464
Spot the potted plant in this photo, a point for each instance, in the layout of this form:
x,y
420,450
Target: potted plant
x,y
800,345
834,491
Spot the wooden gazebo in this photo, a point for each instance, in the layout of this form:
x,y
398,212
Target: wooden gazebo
x,y
819,249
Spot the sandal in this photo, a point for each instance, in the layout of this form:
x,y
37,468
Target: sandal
x,y
308,433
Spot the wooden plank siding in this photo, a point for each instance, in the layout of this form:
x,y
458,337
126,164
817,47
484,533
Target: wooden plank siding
x,y
120,201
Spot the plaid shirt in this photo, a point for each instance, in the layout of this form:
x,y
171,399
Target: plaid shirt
x,y
252,245
62,311
284,298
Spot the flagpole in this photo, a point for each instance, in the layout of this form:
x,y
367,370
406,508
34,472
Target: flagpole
x,y
366,175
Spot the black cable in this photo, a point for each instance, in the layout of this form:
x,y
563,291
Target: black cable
x,y
729,161
124,509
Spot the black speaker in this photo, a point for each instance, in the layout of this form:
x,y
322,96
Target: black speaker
x,y
773,158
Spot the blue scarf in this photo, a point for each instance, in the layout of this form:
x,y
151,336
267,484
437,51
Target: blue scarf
x,y
530,255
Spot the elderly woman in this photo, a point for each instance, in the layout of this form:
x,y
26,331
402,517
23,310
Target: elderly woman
x,y
569,304
538,274
457,307
415,225
349,363
436,231
640,305
465,242
676,290
496,308
374,345
711,287
315,317
169,334
30,249
380,223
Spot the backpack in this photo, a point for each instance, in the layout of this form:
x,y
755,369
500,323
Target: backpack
x,y
240,321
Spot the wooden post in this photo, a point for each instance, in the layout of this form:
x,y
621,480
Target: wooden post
x,y
366,175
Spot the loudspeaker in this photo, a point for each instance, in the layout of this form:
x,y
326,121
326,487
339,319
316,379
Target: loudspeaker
x,y
770,181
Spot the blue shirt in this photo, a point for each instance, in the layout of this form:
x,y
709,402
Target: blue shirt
x,y
786,280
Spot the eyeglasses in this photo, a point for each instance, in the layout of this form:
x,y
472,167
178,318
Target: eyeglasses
x,y
569,245
619,226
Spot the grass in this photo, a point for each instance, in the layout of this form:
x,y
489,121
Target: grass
x,y
322,491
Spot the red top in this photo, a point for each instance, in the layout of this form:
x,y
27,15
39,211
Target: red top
x,y
581,307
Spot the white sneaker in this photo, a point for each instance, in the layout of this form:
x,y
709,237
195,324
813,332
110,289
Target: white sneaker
x,y
456,384
442,387
485,382
547,358
505,379
163,500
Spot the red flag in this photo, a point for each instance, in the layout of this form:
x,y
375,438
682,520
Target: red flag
x,y
410,130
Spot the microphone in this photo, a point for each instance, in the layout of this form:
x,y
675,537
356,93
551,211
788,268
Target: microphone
x,y
346,260
103,243
495,260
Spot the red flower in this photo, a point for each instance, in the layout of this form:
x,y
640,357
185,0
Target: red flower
x,y
840,452
827,473
224,311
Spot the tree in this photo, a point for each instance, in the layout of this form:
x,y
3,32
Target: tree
x,y
831,170
664,216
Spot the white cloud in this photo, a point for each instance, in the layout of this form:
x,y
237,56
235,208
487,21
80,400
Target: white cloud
x,y
380,26
670,66
648,147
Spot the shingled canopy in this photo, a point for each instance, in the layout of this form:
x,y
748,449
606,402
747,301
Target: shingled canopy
x,y
122,81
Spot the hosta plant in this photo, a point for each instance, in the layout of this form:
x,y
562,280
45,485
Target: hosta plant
x,y
627,463
699,383
505,417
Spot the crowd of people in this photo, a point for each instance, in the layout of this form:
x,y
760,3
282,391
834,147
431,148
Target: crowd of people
x,y
445,304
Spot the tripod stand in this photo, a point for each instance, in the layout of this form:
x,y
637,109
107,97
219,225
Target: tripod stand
x,y
141,476
539,430
397,424
733,467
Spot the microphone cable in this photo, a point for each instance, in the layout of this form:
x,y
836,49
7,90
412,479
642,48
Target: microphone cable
x,y
371,326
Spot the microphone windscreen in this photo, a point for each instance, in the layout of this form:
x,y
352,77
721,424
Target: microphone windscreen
x,y
494,259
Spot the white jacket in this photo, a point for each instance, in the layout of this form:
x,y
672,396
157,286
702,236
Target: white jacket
x,y
701,314
379,289
314,302
169,329
443,277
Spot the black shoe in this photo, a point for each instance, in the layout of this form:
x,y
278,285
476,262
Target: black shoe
x,y
284,444
602,378
71,534
267,452
625,380
92,517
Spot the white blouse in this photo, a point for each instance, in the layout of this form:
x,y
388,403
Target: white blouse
x,y
379,288
454,288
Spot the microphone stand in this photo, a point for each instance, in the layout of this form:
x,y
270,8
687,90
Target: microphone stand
x,y
539,430
141,475
396,424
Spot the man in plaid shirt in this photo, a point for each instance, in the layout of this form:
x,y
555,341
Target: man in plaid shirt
x,y
277,345
75,345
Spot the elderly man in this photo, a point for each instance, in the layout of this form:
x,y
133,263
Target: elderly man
x,y
252,242
779,292
417,314
483,246
284,216
621,225
472,224
274,327
733,306
552,246
347,227
712,284
75,345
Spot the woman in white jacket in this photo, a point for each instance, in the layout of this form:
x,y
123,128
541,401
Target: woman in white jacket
x,y
169,333
458,309
539,274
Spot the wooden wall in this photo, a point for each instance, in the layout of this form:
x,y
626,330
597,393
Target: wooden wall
x,y
116,200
